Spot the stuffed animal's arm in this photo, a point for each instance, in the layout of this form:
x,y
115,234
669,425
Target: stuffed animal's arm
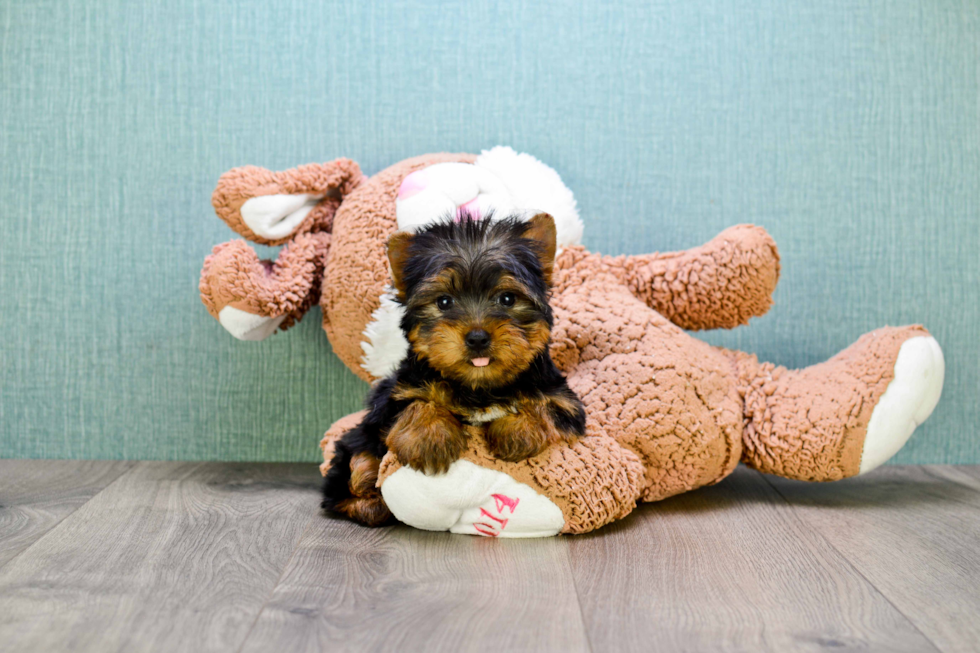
x,y
720,284
253,298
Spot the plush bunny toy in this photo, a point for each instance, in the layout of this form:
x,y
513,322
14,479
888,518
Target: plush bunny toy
x,y
667,413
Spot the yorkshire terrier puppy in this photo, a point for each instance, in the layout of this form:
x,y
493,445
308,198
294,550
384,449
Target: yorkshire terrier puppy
x,y
478,324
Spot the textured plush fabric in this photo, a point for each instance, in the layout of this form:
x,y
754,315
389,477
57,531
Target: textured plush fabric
x,y
335,179
357,273
234,276
668,413
667,396
825,407
848,131
694,289
593,482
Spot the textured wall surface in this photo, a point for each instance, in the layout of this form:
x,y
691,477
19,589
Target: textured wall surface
x,y
851,131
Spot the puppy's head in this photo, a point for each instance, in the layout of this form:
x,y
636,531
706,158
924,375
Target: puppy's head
x,y
475,294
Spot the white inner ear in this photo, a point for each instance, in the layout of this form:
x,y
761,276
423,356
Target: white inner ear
x,y
248,326
277,216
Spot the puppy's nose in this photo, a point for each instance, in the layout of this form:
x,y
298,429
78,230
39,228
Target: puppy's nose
x,y
477,339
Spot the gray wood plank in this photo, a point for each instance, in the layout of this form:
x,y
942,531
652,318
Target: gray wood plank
x,y
350,588
965,475
35,495
170,557
914,532
728,568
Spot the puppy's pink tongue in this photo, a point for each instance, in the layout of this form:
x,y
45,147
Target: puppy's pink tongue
x,y
480,362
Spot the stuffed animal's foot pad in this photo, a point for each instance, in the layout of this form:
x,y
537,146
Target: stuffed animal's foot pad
x,y
472,500
248,326
910,399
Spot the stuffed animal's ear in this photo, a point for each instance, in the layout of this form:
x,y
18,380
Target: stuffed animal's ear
x,y
397,256
272,207
541,228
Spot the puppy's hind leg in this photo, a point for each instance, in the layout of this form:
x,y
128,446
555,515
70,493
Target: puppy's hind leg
x,y
350,486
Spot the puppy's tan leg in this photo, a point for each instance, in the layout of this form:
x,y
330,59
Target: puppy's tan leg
x,y
523,434
366,504
427,437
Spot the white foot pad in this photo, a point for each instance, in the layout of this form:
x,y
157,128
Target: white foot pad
x,y
907,402
247,326
472,500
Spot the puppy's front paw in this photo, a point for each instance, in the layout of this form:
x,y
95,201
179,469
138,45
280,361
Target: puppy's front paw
x,y
521,435
427,437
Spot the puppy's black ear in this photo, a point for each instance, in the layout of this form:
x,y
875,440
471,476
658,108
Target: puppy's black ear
x,y
541,228
397,257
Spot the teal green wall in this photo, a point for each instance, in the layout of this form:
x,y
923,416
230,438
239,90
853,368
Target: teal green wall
x,y
851,131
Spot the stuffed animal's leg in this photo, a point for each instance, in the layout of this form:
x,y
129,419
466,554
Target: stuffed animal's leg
x,y
842,417
270,207
252,298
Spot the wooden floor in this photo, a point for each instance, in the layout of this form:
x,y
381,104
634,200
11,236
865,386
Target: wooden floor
x,y
120,556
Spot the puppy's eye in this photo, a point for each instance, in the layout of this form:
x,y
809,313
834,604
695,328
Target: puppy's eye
x,y
444,303
507,299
